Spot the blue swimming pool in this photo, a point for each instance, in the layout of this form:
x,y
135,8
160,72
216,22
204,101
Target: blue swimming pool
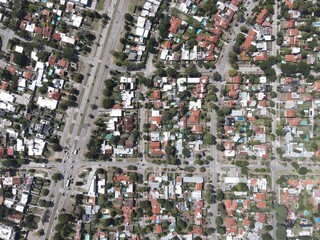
x,y
198,31
306,213
240,118
204,22
304,122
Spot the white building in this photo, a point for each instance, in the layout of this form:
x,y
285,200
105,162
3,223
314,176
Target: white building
x,y
7,233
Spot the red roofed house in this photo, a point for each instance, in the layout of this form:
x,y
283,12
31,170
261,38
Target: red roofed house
x,y
236,79
293,121
4,85
195,116
10,151
290,113
262,16
290,24
260,197
197,129
197,230
52,60
158,229
252,33
290,58
261,217
56,36
261,57
63,63
155,145
247,43
224,24
261,204
316,86
156,95
155,206
175,24
230,222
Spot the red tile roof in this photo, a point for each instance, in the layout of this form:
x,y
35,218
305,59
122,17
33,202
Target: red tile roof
x,y
56,36
156,95
10,151
260,197
290,24
158,229
155,145
175,24
195,116
197,129
63,63
290,113
293,121
261,57
290,58
230,222
4,85
262,16
247,43
52,60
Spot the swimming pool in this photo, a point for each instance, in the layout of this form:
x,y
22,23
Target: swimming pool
x,y
304,122
306,213
198,31
204,22
240,118
316,24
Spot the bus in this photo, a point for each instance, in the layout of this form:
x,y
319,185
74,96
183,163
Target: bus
x,y
68,183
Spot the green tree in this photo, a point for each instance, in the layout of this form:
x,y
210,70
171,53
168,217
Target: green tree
x,y
182,224
21,59
146,205
171,72
69,53
56,177
281,213
221,230
192,71
64,218
219,221
128,17
108,103
209,139
303,171
78,77
44,192
220,195
281,232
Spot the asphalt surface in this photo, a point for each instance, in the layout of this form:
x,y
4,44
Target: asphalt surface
x,y
82,123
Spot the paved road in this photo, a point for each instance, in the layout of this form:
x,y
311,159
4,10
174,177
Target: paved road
x,y
223,68
82,123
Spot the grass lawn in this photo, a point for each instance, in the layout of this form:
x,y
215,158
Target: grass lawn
x,y
71,128
100,5
133,4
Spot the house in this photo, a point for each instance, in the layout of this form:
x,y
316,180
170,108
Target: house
x,y
261,57
262,16
175,24
195,116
